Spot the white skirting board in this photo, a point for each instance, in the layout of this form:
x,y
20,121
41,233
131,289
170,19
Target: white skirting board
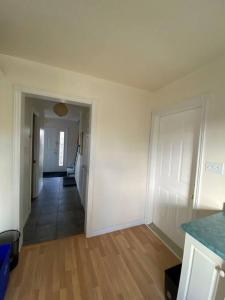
x,y
115,228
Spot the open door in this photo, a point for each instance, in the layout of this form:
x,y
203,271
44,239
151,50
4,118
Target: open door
x,y
34,159
37,157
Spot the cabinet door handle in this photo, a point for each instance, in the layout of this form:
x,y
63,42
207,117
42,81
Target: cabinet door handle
x,y
221,271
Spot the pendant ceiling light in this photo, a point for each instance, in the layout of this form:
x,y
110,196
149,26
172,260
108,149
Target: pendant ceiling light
x,y
60,109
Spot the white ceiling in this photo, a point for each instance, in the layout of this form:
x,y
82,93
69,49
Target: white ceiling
x,y
142,43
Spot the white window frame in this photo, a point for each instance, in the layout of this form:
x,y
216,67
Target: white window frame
x,y
61,163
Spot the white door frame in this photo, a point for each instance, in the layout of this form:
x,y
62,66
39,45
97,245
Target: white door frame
x,y
19,92
193,103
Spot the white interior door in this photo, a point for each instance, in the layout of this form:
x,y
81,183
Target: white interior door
x,y
175,171
35,154
55,150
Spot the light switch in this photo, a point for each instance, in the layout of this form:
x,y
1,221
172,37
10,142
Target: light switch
x,y
217,168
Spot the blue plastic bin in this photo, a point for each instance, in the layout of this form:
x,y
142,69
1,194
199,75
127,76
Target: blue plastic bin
x,y
12,238
4,268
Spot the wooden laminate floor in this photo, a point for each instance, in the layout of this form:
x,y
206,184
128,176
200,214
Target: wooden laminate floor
x,y
127,264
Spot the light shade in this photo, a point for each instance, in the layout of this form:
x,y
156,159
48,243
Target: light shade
x,y
60,109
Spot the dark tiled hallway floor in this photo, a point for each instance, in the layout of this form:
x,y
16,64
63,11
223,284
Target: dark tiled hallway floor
x,y
55,214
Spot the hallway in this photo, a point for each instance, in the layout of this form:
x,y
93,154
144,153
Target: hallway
x,y
55,214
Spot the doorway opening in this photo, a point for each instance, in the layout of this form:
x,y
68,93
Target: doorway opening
x,y
55,151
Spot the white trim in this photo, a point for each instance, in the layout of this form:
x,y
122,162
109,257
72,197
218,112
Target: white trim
x,y
193,103
164,243
16,155
44,95
116,227
188,104
90,172
18,93
153,142
201,150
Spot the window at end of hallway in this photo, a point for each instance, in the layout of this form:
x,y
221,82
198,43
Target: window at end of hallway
x,y
61,148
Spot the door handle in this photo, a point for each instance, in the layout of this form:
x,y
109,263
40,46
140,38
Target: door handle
x,y
221,271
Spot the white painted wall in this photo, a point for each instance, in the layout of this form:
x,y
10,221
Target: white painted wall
x,y
122,130
71,129
207,80
121,150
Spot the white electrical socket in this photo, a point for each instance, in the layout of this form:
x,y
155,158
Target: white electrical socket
x,y
217,168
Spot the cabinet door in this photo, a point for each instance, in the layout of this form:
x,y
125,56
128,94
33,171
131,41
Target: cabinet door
x,y
199,276
220,293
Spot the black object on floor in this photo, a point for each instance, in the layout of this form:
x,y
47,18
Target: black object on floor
x,y
56,213
172,279
54,174
11,237
69,181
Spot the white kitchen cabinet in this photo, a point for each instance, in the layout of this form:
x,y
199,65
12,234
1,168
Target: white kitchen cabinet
x,y
203,273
